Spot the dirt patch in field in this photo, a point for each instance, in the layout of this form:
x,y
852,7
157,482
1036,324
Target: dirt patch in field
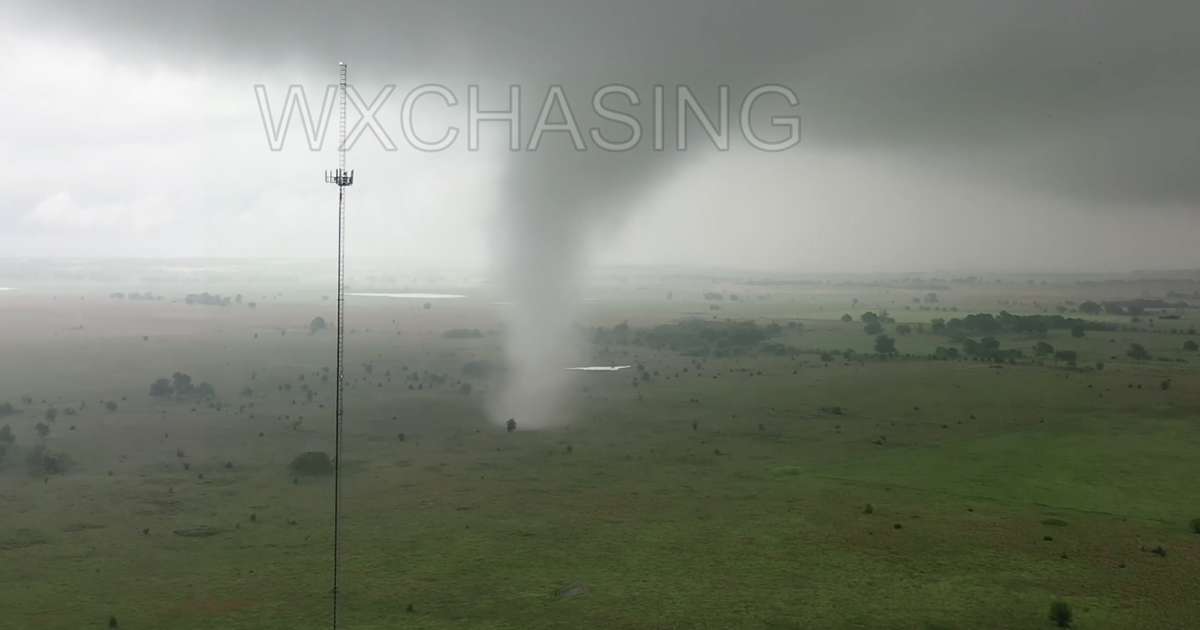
x,y
214,607
202,531
21,538
82,527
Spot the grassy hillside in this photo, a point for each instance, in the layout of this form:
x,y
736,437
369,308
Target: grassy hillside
x,y
804,488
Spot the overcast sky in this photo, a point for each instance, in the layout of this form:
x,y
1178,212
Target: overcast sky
x,y
936,136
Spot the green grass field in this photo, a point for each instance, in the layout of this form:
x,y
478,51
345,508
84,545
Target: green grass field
x,y
734,494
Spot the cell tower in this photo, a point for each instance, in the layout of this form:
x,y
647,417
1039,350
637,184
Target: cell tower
x,y
341,178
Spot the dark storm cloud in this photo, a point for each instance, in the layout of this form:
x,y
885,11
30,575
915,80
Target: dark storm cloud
x,y
1092,100
997,105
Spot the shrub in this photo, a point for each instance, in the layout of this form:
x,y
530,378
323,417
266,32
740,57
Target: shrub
x,y
1196,525
480,369
181,387
1066,356
462,333
946,353
312,463
1060,614
1190,346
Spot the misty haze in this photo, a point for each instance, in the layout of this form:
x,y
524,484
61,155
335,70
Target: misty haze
x,y
619,314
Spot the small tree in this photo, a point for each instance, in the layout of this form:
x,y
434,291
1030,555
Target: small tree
x,y
1138,351
847,318
1060,614
312,463
41,461
1190,346
6,440
317,325
1067,356
885,345
511,425
1042,348
161,388
182,384
42,429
